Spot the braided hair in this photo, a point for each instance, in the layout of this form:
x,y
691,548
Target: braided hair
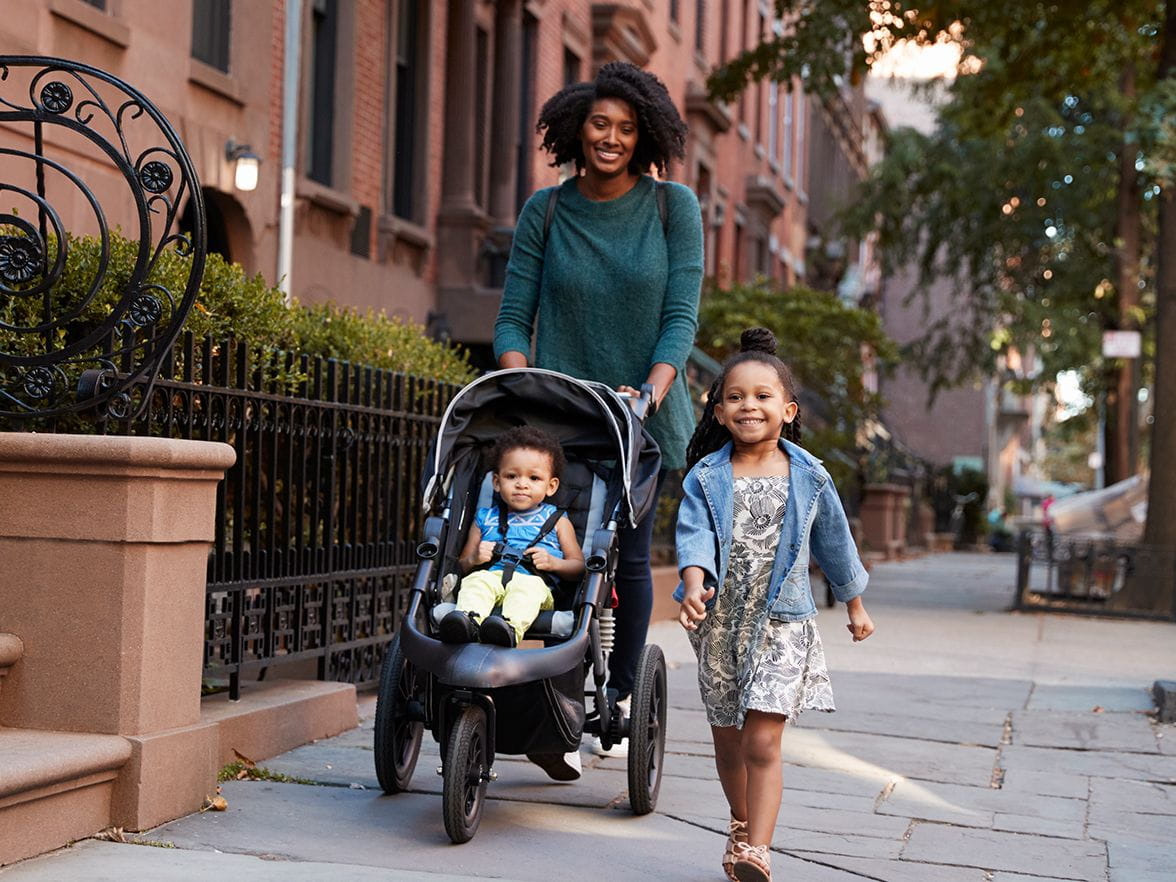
x,y
661,133
755,344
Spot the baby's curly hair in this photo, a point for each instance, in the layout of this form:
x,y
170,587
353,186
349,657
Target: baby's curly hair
x,y
528,438
661,133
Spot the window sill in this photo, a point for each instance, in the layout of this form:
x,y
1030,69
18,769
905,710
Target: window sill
x,y
327,198
93,20
700,63
744,132
675,30
405,231
214,80
760,152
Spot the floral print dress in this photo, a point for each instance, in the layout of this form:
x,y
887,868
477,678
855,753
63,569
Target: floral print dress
x,y
747,661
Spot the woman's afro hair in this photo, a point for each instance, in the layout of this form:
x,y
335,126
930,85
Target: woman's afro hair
x,y
661,133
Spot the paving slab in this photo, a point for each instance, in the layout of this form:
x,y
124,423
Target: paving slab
x,y
406,832
1129,732
1112,699
1097,764
1110,797
1140,862
1014,852
986,807
905,871
94,861
945,728
1026,780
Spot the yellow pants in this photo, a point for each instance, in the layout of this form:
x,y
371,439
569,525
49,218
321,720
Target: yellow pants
x,y
522,599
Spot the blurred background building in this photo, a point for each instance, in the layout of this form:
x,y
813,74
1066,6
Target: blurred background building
x,y
416,142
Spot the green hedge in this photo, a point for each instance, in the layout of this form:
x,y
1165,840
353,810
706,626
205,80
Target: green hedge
x,y
231,303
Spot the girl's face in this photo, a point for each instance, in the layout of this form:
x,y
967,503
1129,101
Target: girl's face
x,y
609,137
754,406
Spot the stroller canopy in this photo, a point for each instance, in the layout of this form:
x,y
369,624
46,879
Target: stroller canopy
x,y
590,420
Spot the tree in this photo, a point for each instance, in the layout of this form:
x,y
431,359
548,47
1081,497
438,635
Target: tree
x,y
1091,68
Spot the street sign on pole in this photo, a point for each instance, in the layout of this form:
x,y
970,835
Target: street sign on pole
x,y
1121,344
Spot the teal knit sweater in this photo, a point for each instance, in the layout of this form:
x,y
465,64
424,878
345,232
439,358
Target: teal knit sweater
x,y
610,296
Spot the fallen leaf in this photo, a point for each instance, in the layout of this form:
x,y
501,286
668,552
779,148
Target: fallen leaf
x,y
1097,709
112,834
215,804
244,759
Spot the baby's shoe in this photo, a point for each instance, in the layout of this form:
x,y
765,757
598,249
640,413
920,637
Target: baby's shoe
x,y
498,631
458,627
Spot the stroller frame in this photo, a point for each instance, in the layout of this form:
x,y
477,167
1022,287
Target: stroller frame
x,y
451,689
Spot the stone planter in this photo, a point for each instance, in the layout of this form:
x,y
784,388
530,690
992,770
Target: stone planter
x,y
884,514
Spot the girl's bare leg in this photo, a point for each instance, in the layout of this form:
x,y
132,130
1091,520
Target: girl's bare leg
x,y
763,775
732,770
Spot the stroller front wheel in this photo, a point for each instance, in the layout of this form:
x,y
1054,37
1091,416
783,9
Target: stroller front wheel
x,y
398,731
647,731
467,766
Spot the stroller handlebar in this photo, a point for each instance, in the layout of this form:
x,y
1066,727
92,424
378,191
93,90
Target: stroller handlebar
x,y
642,403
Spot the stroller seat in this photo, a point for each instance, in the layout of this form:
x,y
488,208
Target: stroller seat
x,y
581,494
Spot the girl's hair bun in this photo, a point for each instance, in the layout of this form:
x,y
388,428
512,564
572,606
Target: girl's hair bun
x,y
757,340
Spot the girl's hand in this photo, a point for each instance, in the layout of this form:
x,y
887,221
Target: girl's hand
x,y
693,609
485,552
860,624
541,558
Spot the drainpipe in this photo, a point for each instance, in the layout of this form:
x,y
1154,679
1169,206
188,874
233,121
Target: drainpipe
x,y
289,143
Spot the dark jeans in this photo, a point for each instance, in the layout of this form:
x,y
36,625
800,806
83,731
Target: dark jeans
x,y
634,598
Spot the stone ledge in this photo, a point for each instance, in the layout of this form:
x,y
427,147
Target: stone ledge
x,y
113,455
33,759
275,716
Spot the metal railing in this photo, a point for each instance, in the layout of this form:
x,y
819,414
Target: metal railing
x,y
317,522
1071,573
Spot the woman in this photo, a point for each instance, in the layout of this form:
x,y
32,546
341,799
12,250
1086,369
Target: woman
x,y
611,286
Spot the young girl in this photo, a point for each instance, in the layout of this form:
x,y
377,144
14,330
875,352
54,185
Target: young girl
x,y
756,506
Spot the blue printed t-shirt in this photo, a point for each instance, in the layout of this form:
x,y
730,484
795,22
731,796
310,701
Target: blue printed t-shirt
x,y
521,529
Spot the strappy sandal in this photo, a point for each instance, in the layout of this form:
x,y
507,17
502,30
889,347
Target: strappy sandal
x,y
736,833
753,863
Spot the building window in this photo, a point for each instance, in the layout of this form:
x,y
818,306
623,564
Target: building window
x,y
674,11
211,26
801,147
526,151
786,141
740,45
773,118
759,91
700,26
481,114
724,30
97,4
571,67
324,33
408,108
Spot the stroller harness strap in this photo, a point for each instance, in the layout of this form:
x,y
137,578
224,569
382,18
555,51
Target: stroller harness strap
x,y
515,556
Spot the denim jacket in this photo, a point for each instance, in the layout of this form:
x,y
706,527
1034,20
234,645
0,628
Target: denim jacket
x,y
814,523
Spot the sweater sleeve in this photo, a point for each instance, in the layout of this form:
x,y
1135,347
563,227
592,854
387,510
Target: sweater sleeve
x,y
679,318
524,271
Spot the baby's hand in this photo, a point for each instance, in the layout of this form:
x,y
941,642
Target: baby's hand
x,y
860,624
693,609
485,552
541,559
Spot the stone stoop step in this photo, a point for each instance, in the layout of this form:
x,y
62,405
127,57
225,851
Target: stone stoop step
x,y
55,787
274,716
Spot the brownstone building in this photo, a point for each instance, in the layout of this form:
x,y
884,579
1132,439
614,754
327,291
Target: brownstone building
x,y
411,138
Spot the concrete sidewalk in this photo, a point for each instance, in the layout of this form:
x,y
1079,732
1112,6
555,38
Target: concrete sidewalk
x,y
970,744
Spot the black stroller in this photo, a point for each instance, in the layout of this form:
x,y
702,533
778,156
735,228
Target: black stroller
x,y
478,699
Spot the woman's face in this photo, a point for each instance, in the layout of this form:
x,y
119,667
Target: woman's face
x,y
609,137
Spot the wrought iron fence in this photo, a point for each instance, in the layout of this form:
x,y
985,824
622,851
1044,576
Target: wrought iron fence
x,y
317,522
1088,574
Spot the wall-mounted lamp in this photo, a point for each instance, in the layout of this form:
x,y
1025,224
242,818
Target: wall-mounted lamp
x,y
246,164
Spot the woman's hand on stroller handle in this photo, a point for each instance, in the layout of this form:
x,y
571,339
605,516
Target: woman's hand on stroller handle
x,y
642,402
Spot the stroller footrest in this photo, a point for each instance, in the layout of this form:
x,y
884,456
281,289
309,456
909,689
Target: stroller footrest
x,y
549,623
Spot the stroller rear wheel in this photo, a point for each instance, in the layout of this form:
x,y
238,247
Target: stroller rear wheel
x,y
398,730
647,731
467,767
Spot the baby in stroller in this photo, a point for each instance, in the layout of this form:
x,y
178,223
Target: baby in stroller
x,y
517,547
